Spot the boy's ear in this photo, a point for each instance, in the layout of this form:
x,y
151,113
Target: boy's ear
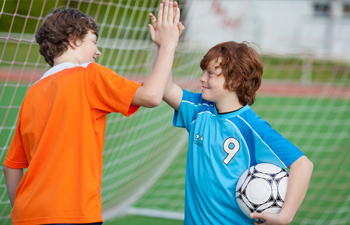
x,y
236,85
72,41
233,85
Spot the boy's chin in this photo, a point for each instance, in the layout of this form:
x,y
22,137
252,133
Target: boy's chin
x,y
205,97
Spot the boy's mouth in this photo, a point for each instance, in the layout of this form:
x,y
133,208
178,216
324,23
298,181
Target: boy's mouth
x,y
203,87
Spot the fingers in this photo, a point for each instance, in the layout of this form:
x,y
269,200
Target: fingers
x,y
175,6
172,17
151,30
171,12
166,12
257,223
260,216
153,19
160,13
177,16
181,28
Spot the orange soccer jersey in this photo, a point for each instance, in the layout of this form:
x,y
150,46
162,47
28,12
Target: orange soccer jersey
x,y
59,139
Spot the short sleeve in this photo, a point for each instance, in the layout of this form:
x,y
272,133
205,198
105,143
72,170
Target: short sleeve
x,y
108,92
282,147
276,147
189,103
16,157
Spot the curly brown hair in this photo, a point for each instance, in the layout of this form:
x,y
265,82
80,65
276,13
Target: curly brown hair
x,y
58,27
241,66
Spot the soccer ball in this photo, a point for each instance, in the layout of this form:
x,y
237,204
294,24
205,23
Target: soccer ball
x,y
262,188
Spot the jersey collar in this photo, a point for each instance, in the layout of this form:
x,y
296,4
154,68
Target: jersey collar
x,y
232,114
60,67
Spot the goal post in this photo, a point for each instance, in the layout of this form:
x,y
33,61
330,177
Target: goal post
x,y
305,93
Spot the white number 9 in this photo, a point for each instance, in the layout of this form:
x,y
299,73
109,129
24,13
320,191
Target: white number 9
x,y
230,151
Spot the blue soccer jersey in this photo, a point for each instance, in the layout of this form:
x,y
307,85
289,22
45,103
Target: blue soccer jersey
x,y
221,148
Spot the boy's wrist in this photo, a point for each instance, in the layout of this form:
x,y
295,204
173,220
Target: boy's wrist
x,y
167,47
286,217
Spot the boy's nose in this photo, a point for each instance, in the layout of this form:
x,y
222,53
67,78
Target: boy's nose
x,y
98,53
203,78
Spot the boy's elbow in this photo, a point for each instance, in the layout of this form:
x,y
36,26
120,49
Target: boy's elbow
x,y
154,98
152,101
308,164
147,97
311,165
304,164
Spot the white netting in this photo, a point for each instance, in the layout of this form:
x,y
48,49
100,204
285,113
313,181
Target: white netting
x,y
305,93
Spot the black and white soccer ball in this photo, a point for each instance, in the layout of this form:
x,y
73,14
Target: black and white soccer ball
x,y
262,188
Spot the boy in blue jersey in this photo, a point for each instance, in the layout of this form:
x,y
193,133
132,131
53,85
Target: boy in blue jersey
x,y
226,137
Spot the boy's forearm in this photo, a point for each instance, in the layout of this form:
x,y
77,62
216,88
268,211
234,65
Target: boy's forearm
x,y
13,177
170,80
157,81
163,62
172,93
298,183
155,56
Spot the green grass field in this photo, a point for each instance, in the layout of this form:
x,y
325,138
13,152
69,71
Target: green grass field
x,y
139,220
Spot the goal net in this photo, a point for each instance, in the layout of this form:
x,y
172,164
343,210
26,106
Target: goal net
x,y
305,93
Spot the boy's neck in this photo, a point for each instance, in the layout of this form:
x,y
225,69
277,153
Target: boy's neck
x,y
228,103
227,107
67,56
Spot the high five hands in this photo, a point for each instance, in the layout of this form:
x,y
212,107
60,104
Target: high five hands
x,y
168,15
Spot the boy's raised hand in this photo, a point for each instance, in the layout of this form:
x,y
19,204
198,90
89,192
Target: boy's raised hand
x,y
165,31
180,26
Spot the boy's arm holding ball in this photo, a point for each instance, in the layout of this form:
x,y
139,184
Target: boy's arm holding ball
x,y
298,183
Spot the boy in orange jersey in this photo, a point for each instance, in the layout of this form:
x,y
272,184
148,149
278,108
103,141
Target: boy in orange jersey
x,y
61,123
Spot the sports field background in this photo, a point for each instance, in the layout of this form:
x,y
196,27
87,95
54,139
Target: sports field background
x,y
329,185
314,115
